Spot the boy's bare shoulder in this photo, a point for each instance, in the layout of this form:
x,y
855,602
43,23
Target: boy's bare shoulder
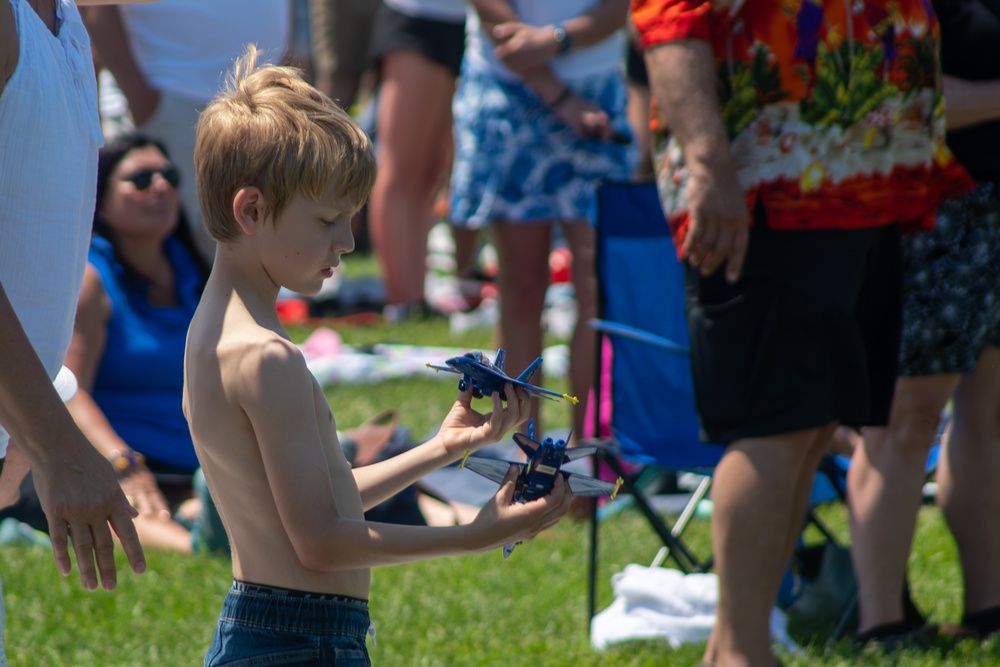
x,y
260,363
262,354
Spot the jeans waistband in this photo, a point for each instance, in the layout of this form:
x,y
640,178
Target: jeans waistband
x,y
249,587
267,607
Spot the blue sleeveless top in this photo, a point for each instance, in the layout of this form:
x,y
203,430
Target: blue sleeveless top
x,y
141,375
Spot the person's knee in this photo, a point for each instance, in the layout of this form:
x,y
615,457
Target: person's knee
x,y
914,425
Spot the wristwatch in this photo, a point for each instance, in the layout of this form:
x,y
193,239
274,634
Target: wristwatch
x,y
561,38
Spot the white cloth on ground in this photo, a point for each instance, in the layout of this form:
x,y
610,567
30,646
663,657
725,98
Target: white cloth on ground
x,y
661,603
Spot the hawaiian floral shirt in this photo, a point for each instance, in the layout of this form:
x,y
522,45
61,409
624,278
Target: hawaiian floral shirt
x,y
834,108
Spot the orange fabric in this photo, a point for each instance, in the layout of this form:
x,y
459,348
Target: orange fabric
x,y
835,121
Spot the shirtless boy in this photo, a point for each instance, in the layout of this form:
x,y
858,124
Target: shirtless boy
x,y
281,170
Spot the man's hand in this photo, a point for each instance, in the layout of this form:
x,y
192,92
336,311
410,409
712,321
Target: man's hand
x,y
81,497
719,222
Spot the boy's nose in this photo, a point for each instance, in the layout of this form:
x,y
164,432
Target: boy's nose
x,y
344,242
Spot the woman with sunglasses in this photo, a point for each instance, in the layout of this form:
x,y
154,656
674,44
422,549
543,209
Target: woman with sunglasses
x,y
140,288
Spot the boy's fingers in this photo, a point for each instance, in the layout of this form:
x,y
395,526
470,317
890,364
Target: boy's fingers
x,y
465,397
506,493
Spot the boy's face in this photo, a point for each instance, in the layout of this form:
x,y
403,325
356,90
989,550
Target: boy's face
x,y
305,242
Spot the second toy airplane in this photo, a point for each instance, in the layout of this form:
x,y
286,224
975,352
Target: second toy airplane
x,y
538,474
484,377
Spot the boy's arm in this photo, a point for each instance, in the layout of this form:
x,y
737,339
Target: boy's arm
x,y
275,390
464,429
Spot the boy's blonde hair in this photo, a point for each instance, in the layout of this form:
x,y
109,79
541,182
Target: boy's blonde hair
x,y
272,130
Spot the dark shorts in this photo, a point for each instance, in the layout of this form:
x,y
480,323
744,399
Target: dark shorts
x,y
262,626
635,66
341,32
808,336
441,42
951,287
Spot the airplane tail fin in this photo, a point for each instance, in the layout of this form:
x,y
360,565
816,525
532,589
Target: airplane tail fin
x,y
501,359
530,371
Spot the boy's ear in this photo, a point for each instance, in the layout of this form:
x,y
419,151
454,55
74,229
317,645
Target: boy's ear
x,y
248,209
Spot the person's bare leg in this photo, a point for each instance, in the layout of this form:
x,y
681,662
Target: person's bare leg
x,y
967,476
15,469
414,149
759,507
637,111
582,240
341,87
163,533
884,486
523,255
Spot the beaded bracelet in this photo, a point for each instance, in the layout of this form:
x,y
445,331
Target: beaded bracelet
x,y
125,463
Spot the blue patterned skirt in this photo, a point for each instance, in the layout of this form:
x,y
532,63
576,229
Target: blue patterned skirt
x,y
515,161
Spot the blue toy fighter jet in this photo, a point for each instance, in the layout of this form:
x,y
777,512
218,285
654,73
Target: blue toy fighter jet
x,y
538,474
484,377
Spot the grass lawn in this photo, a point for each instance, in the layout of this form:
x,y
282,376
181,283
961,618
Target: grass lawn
x,y
481,610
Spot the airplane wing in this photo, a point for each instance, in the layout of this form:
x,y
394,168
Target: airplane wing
x,y
581,485
527,444
544,393
447,369
574,453
494,469
626,331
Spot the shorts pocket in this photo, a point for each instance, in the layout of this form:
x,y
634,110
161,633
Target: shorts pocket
x,y
306,657
729,332
240,644
348,657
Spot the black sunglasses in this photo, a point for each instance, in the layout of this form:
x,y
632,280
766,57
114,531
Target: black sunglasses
x,y
144,178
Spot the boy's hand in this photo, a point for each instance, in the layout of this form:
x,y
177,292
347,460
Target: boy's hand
x,y
465,429
503,521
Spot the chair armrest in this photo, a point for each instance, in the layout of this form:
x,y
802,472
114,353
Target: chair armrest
x,y
625,331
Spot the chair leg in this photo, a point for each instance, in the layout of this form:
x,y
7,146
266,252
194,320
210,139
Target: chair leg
x,y
592,580
686,561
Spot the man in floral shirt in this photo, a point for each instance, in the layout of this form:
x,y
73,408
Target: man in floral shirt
x,y
794,139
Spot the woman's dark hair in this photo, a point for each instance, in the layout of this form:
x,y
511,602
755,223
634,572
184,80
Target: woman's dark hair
x,y
110,156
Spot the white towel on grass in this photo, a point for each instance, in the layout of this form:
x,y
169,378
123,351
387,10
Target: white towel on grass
x,y
660,603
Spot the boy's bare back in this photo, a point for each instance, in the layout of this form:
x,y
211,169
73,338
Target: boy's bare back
x,y
273,471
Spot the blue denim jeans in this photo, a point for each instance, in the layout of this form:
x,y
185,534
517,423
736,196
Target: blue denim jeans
x,y
259,627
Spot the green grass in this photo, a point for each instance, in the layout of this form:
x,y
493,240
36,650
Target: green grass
x,y
481,610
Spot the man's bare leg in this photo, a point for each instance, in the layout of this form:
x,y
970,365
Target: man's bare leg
x,y
760,493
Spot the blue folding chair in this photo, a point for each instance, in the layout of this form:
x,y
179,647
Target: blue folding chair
x,y
642,321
